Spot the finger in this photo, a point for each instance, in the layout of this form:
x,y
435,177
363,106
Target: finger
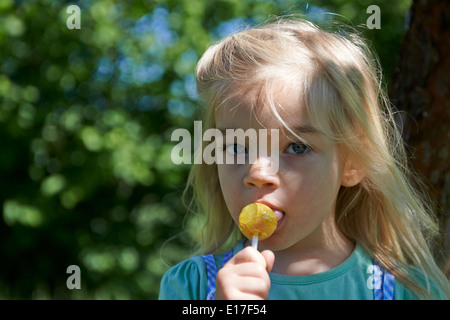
x,y
269,256
242,287
257,288
246,269
248,254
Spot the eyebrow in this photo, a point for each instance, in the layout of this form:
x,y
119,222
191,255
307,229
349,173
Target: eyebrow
x,y
306,129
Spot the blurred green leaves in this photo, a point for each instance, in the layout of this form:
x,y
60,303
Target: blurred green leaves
x,y
85,123
15,212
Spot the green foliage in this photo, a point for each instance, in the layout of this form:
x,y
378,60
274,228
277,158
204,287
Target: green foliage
x,y
85,123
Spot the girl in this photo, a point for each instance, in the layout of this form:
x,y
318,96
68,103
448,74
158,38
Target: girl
x,y
350,223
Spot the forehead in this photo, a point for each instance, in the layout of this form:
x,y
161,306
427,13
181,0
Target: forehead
x,y
262,105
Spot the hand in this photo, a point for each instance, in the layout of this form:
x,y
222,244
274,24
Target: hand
x,y
245,276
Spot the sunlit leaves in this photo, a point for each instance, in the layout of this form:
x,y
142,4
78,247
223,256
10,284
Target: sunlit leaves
x,y
16,212
52,185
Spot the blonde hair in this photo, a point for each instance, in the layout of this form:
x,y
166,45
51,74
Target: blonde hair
x,y
339,81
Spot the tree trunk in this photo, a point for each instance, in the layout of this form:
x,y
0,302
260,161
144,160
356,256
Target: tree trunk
x,y
421,87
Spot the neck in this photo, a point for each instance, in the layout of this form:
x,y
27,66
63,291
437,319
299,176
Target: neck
x,y
324,249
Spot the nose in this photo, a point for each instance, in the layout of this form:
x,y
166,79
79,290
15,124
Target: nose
x,y
260,176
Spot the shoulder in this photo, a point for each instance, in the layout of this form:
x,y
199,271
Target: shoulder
x,y
401,290
188,280
185,281
427,282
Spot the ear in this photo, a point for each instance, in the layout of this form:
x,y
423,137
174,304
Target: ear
x,y
353,174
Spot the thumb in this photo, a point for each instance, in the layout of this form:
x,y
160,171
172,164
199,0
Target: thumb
x,y
270,259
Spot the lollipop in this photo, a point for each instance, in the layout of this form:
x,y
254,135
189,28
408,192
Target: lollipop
x,y
257,221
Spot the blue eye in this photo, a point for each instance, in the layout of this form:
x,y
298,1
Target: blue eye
x,y
235,149
297,148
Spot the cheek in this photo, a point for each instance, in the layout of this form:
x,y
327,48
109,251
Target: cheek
x,y
228,184
326,185
225,178
316,182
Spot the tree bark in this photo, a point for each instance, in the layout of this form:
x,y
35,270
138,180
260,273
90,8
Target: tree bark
x,y
421,87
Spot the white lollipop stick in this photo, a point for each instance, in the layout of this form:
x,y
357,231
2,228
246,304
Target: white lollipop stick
x,y
255,242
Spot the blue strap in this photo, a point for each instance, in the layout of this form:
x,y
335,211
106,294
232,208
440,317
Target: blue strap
x,y
211,272
228,255
383,283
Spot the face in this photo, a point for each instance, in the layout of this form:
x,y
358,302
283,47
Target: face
x,y
303,192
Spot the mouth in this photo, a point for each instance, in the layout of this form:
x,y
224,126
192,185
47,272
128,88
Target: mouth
x,y
279,214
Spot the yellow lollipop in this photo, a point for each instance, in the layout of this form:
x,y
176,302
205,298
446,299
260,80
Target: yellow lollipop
x,y
257,221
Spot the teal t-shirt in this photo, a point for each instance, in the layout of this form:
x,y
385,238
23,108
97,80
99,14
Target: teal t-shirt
x,y
348,281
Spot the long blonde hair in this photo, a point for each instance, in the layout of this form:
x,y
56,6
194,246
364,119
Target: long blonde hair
x,y
340,82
